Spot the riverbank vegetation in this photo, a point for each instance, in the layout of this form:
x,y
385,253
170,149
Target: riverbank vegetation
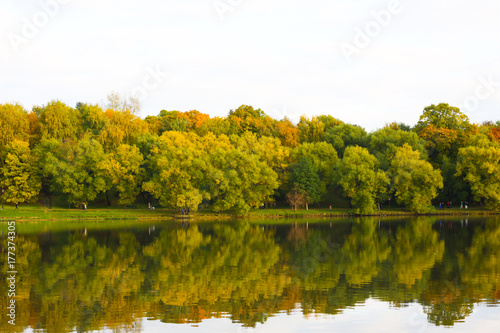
x,y
91,155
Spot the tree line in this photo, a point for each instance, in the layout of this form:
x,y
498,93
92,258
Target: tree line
x,y
247,159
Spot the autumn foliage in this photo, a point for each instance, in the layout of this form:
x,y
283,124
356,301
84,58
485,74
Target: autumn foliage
x,y
187,159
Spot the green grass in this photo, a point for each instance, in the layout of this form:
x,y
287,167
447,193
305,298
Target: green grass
x,y
35,213
32,212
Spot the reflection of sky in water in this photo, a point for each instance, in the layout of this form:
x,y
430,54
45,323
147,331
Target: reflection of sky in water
x,y
372,316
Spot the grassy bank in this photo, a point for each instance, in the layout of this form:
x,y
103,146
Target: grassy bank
x,y
35,213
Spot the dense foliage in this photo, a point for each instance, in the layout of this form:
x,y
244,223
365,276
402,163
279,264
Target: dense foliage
x,y
188,160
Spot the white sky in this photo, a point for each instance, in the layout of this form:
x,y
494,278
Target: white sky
x,y
283,56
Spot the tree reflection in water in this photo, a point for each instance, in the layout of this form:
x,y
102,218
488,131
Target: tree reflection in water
x,y
109,279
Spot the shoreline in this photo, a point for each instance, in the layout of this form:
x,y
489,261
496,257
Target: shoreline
x,y
37,214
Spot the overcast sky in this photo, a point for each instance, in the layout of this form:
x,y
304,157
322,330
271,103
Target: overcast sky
x,y
287,57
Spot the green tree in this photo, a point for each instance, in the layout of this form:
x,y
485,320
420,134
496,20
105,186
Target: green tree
x,y
305,177
384,143
443,116
76,170
479,164
345,135
360,179
268,149
240,181
179,171
415,181
93,118
19,174
324,158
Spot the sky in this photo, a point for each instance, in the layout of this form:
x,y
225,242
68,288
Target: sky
x,y
363,62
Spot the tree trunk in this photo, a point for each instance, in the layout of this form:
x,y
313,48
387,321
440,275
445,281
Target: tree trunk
x,y
307,206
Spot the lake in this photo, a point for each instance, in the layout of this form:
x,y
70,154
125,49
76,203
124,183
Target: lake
x,y
423,274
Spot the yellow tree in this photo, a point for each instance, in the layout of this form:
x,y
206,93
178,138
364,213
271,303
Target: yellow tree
x,y
179,171
58,121
121,127
125,173
19,174
269,150
14,124
311,130
287,132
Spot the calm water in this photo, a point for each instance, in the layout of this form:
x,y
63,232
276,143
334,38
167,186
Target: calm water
x,y
357,275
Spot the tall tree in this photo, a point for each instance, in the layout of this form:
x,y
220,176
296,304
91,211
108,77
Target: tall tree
x,y
268,149
361,180
240,181
415,182
305,177
75,169
479,164
179,171
324,158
